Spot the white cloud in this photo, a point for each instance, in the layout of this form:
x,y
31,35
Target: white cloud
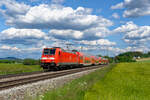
x,y
102,42
33,49
118,6
105,42
88,34
115,15
22,36
66,34
134,8
142,32
140,49
129,26
57,1
133,31
63,22
57,17
13,9
133,34
115,50
6,47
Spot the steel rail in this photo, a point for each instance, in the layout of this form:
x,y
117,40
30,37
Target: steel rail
x,y
19,74
21,81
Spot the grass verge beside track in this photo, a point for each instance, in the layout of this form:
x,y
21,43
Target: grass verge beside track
x,y
17,68
126,81
76,89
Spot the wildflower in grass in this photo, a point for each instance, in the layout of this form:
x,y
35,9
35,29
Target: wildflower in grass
x,y
41,97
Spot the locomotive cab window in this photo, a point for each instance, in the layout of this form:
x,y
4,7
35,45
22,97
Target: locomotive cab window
x,y
49,51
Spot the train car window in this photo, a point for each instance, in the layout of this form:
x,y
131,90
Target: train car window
x,y
49,51
81,57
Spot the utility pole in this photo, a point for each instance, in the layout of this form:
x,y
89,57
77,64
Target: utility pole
x,y
107,51
68,45
81,48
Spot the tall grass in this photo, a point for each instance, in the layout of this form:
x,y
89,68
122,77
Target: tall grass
x,y
127,81
17,68
76,89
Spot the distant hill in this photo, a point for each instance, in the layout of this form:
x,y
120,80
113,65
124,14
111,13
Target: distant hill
x,y
10,58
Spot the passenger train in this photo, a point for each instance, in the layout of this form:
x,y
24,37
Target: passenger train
x,y
57,58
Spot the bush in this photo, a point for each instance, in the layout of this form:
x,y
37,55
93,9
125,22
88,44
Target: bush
x,y
124,59
31,62
7,61
110,59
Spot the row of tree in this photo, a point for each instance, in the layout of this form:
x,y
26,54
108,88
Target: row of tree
x,y
31,62
127,57
131,56
27,61
7,61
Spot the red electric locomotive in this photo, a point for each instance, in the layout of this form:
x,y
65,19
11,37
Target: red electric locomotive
x,y
57,57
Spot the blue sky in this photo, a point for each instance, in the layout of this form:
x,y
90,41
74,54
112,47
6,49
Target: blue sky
x,y
96,26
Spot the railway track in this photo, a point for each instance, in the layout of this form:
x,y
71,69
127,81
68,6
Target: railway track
x,y
21,74
10,82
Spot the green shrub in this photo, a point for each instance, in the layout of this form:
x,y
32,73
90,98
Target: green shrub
x,y
7,61
124,59
29,61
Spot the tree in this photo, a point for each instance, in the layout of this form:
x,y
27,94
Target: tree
x,y
99,55
29,61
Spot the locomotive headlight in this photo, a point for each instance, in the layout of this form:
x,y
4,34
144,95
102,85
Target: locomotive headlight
x,y
44,58
51,58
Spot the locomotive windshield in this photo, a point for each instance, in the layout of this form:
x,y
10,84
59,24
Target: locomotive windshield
x,y
49,51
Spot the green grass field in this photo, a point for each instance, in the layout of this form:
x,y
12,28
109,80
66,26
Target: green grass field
x,y
127,81
124,81
76,89
17,68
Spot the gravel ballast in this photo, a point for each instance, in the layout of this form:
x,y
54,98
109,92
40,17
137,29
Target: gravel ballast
x,y
33,89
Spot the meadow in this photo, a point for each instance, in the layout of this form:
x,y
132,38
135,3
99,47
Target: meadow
x,y
143,60
126,81
17,68
123,81
75,90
